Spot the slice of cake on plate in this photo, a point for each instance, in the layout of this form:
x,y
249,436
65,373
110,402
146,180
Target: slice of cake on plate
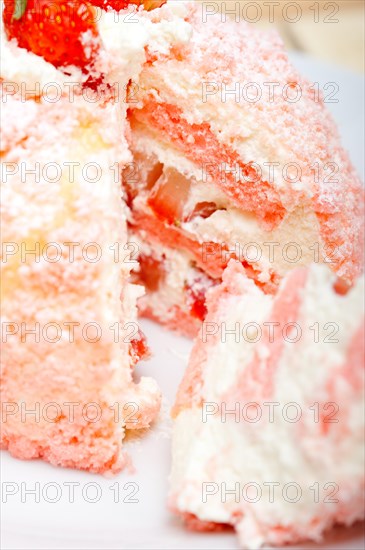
x,y
70,337
269,418
235,155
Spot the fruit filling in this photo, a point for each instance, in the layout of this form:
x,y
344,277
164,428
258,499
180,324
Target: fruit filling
x,y
151,272
169,196
196,292
167,192
138,348
162,201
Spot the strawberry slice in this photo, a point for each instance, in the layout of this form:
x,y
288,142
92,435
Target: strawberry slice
x,y
169,195
53,29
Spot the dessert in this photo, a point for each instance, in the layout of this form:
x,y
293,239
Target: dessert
x,y
234,183
70,338
235,155
269,418
224,162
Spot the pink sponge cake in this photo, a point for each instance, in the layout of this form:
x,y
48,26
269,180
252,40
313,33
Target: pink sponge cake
x,y
235,155
269,419
70,338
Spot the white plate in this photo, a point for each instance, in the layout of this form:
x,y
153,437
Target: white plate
x,y
147,524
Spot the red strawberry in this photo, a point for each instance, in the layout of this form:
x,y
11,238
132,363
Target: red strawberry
x,y
53,29
118,5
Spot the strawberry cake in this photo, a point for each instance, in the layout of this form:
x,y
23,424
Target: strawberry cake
x,y
269,418
235,155
180,153
70,336
225,163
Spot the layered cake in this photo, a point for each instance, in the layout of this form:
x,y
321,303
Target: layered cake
x,y
179,151
70,337
269,418
235,155
225,163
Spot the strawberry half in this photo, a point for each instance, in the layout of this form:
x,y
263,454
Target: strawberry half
x,y
53,29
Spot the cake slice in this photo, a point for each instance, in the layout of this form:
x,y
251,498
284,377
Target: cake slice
x,y
269,418
70,338
235,155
